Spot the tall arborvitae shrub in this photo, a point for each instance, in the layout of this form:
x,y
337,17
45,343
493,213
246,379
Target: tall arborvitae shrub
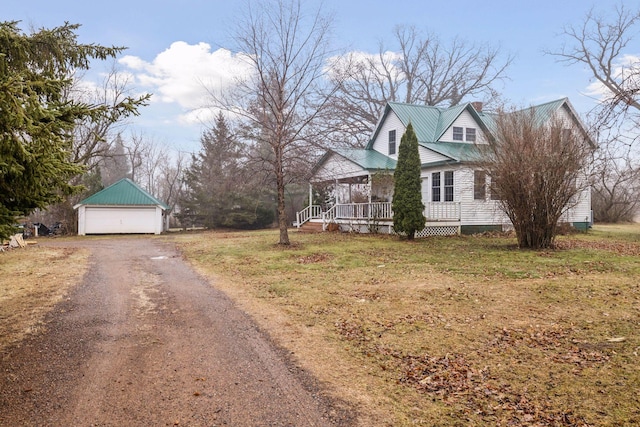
x,y
407,204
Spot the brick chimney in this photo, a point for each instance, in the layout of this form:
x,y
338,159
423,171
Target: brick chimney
x,y
477,105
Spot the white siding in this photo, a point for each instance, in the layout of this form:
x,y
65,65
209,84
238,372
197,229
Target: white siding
x,y
489,212
580,210
465,120
337,166
429,156
425,176
477,212
381,143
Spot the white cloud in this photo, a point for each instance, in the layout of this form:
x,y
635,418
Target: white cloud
x,y
185,74
626,71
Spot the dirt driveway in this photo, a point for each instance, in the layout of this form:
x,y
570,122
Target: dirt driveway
x,y
145,341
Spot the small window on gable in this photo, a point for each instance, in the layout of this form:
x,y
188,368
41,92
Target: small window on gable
x,y
392,142
458,133
471,135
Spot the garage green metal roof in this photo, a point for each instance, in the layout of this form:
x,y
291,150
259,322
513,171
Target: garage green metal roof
x,y
123,193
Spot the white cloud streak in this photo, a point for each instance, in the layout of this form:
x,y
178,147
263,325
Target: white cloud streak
x,y
626,72
186,74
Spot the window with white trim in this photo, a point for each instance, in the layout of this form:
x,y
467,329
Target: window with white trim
x,y
392,142
471,135
479,185
448,186
442,186
493,192
458,133
435,187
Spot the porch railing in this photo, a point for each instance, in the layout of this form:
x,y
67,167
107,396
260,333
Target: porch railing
x,y
377,210
439,211
434,211
382,210
313,211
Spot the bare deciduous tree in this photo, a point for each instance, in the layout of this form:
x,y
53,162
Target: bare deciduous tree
x,y
537,171
602,46
615,175
421,70
287,49
92,136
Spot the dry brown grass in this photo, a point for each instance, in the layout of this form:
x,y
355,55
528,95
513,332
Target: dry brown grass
x,y
33,280
462,331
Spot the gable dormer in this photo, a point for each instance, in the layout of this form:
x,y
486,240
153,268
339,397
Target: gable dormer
x,y
465,128
386,138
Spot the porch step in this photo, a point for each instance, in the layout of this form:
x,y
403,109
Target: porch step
x,y
311,227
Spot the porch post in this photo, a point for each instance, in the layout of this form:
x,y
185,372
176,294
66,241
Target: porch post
x,y
370,186
310,195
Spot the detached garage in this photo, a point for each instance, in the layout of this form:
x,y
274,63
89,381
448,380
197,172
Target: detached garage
x,y
122,208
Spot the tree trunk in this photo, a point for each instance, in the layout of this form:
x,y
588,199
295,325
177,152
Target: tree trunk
x,y
282,213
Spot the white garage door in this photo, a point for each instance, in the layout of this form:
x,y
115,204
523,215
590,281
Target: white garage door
x,y
105,220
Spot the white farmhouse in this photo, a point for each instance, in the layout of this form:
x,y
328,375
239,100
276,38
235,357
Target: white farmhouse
x,y
457,198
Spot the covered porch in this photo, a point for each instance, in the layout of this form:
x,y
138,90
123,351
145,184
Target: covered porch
x,y
352,192
377,217
362,204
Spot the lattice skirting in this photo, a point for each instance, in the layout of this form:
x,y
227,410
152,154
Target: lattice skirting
x,y
438,230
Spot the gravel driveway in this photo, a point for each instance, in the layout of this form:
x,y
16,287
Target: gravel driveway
x,y
145,341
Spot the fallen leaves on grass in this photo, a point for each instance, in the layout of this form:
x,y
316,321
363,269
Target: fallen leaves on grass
x,y
620,248
556,342
313,258
457,379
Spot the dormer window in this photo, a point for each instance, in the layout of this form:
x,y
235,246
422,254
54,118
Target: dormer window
x,y
392,142
471,135
464,134
458,133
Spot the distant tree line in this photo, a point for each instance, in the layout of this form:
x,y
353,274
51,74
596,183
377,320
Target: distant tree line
x,y
61,142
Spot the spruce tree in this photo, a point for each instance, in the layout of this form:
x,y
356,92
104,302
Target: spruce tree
x,y
37,119
407,204
220,189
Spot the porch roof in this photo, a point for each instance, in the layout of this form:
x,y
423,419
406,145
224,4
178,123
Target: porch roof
x,y
457,151
369,160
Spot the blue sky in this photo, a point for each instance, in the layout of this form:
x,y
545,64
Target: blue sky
x,y
152,29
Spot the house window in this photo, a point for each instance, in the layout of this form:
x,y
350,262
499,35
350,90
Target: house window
x,y
435,187
458,133
392,142
479,185
471,135
448,186
493,192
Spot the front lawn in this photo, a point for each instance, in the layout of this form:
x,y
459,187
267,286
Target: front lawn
x,y
460,331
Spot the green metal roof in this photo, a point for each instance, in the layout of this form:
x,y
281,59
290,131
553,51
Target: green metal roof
x,y
447,117
367,159
123,193
458,151
542,113
425,119
430,123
